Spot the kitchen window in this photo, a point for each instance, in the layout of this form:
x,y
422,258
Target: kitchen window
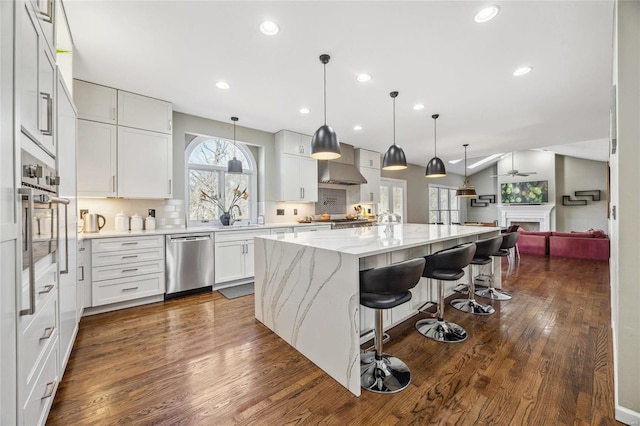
x,y
444,206
206,161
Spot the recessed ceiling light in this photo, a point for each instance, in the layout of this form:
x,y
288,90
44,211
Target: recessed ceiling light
x,y
222,85
486,14
455,161
269,28
364,77
356,128
304,111
418,107
522,71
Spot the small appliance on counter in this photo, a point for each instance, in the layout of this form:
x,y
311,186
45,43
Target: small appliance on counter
x,y
136,222
92,222
122,221
150,223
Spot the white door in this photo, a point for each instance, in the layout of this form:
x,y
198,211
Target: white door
x,y
96,102
144,164
96,159
142,112
229,261
393,197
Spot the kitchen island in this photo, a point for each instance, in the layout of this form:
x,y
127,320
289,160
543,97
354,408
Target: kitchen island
x,y
307,286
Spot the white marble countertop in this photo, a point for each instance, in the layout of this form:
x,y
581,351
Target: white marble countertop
x,y
366,241
195,229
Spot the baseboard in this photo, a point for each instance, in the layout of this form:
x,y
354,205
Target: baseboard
x,y
627,416
122,305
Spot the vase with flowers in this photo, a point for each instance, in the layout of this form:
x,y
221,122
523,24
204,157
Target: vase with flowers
x,y
226,218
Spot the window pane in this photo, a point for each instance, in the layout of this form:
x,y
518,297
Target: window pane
x,y
444,199
398,202
434,217
455,201
433,198
217,152
383,205
241,182
199,181
455,216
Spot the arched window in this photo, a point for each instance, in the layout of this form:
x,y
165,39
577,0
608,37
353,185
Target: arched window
x,y
210,189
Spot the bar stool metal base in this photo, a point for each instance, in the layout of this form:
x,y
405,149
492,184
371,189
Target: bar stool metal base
x,y
385,375
493,294
441,330
472,307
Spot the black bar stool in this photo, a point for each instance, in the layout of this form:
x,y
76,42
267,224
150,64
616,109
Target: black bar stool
x,y
445,265
484,250
509,241
385,288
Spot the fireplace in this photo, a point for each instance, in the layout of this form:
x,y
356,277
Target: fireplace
x,y
528,215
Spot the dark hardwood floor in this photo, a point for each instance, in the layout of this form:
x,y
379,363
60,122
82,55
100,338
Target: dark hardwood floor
x,y
544,358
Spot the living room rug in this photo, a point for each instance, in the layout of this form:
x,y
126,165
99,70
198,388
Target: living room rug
x,y
237,291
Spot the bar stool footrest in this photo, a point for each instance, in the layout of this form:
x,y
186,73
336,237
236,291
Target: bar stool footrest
x,y
470,306
493,294
386,375
442,331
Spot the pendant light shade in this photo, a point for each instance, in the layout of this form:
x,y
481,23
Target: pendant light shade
x,y
435,167
466,190
394,158
324,143
234,165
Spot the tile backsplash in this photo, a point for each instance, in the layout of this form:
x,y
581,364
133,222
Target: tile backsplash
x,y
169,213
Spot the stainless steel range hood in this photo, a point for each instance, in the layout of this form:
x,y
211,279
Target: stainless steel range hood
x,y
341,171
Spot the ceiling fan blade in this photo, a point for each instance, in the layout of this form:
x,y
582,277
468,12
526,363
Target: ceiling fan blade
x,y
521,174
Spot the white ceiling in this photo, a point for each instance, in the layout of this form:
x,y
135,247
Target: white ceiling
x,y
432,52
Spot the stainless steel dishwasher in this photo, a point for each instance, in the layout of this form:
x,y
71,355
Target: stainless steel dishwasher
x,y
188,262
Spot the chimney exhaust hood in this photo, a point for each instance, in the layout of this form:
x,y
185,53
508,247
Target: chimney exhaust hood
x,y
341,171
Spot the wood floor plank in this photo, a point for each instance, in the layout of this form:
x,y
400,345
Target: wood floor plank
x,y
545,357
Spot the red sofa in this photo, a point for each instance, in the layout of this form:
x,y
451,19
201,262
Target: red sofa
x,y
593,245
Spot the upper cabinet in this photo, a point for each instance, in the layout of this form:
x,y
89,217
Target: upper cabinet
x,y
37,81
368,163
46,14
142,112
298,180
125,144
95,102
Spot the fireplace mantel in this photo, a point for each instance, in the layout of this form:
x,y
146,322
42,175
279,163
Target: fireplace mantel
x,y
540,213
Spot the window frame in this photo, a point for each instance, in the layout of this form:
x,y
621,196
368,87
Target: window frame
x,y
395,183
251,172
451,197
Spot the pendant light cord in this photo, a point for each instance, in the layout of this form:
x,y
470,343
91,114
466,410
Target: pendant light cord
x,y
435,148
324,67
234,139
394,120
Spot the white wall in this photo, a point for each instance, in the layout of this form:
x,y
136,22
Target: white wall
x,y
485,185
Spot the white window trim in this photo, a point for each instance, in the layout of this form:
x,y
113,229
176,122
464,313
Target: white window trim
x,y
252,172
435,185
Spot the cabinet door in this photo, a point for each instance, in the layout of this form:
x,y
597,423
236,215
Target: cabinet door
x,y
96,159
290,185
366,158
95,102
289,142
144,113
47,84
144,164
229,261
45,12
370,192
309,179
28,74
249,268
305,145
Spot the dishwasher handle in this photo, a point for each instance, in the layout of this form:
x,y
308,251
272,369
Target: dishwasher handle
x,y
190,239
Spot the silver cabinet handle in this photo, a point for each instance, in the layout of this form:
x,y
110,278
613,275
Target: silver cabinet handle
x,y
47,333
82,269
170,186
130,289
47,289
371,163
130,270
28,194
46,128
113,183
50,387
302,192
113,113
169,124
130,243
371,196
133,256
66,238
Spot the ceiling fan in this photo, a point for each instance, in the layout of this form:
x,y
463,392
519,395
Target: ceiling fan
x,y
514,172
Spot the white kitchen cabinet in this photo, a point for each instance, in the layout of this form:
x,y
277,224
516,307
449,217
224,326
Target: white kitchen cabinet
x,y
234,256
298,178
143,112
370,191
37,82
144,164
366,158
97,159
281,231
293,143
312,228
96,102
122,270
46,14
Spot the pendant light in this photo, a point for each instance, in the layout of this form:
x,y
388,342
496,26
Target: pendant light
x,y
435,167
466,190
234,165
394,158
324,144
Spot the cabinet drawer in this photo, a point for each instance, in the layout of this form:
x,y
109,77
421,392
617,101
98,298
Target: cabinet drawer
x,y
126,257
127,243
102,273
119,290
46,286
37,405
37,338
239,235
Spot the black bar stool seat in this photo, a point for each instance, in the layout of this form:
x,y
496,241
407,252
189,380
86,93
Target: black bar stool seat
x,y
385,288
484,250
445,265
509,241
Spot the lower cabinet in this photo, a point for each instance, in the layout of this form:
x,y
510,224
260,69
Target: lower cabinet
x,y
234,256
128,268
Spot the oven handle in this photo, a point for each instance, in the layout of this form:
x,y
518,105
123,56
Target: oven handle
x,y
65,201
27,194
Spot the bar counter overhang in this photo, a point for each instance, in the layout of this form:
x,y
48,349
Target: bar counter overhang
x,y
307,285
